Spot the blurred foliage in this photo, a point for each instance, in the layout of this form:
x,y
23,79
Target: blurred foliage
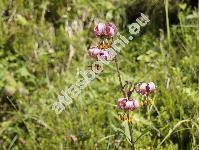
x,y
43,48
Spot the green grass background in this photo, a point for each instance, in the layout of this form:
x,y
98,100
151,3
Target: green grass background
x,y
43,48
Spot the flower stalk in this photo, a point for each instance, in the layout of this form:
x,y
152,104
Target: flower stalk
x,y
131,132
125,94
119,77
106,32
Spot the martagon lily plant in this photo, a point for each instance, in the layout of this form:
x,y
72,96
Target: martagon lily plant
x,y
105,32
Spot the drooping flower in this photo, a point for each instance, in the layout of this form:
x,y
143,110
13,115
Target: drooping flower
x,y
132,104
99,29
125,104
145,88
112,25
141,88
110,30
151,87
122,103
104,55
94,51
97,53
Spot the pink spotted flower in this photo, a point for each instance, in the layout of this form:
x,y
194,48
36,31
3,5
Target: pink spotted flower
x,y
145,88
110,30
107,30
125,104
99,29
132,104
96,53
122,103
151,87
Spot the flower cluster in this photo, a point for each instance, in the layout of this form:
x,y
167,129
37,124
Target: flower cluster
x,y
104,31
141,88
107,30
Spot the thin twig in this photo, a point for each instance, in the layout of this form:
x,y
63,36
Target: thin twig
x,y
119,77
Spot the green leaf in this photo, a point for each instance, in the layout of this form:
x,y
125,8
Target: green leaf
x,y
127,131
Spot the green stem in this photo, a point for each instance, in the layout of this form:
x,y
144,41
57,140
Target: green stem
x,y
119,77
167,20
131,133
125,95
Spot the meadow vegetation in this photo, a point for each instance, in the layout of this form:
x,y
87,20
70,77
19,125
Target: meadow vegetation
x,y
43,48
